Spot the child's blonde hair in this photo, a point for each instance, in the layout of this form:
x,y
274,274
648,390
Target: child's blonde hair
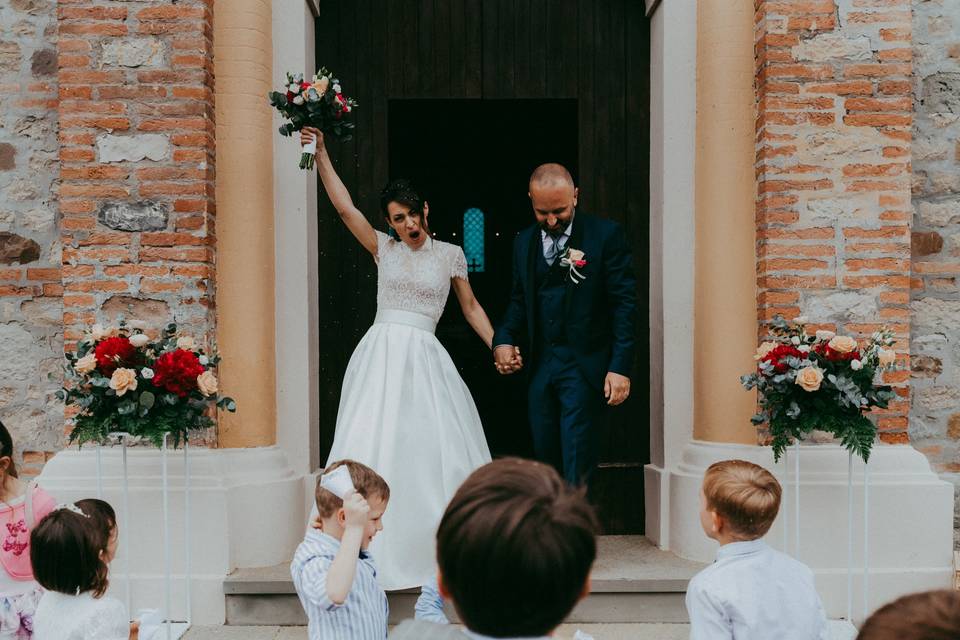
x,y
744,494
366,481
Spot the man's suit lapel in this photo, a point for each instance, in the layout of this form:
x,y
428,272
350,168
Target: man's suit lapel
x,y
534,253
575,242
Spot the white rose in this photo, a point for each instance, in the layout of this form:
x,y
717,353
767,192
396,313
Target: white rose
x,y
147,373
86,364
575,255
294,88
186,343
336,88
795,340
139,339
886,357
856,365
804,348
207,383
298,100
825,336
123,380
98,332
204,360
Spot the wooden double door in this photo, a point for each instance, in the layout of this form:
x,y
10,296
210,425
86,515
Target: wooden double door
x,y
466,97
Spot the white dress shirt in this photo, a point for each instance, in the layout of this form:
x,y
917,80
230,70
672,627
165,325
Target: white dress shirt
x,y
752,592
561,241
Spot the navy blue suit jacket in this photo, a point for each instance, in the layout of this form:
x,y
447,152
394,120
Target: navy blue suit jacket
x,y
600,318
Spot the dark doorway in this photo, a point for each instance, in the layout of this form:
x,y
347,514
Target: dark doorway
x,y
477,155
466,97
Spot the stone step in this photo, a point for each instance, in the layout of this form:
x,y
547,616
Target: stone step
x,y
633,582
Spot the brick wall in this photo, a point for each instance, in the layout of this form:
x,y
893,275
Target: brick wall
x,y
935,380
31,335
833,170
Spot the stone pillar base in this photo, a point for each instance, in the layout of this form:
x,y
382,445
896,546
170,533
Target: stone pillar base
x,y
911,517
247,510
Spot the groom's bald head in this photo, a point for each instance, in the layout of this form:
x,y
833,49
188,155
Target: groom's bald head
x,y
551,174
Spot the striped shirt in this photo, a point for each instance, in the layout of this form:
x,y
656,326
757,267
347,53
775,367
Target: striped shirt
x,y
362,616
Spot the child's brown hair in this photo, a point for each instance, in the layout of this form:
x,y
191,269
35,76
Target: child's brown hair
x,y
744,494
933,615
366,481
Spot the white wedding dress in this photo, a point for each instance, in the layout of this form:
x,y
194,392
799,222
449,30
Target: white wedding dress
x,y
404,410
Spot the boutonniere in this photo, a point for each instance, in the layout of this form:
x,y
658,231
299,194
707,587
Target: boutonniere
x,y
573,259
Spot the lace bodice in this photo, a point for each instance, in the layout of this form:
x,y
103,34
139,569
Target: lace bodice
x,y
64,617
417,280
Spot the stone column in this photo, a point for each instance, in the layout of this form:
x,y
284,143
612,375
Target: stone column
x,y
725,291
245,237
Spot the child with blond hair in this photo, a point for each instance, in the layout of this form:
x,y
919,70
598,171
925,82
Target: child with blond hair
x,y
751,592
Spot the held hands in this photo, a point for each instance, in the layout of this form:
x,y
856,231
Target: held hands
x,y
616,388
308,135
356,511
134,630
507,360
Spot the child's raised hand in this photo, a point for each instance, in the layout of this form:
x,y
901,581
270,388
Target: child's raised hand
x,y
356,511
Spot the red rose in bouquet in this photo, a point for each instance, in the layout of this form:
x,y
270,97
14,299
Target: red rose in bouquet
x,y
781,352
177,372
114,352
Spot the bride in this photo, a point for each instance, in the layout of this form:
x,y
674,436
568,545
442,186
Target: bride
x,y
404,410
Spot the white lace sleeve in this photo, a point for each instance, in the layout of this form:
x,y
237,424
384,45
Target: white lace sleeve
x,y
109,622
382,241
458,263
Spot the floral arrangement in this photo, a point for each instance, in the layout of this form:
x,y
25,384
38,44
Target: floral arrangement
x,y
121,380
821,381
319,103
574,259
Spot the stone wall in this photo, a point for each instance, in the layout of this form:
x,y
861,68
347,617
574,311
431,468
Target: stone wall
x,y
833,171
935,297
31,329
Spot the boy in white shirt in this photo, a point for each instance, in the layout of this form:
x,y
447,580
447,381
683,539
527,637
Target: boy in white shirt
x,y
334,574
751,592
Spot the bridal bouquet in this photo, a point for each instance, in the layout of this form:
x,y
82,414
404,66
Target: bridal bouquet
x,y
319,103
821,381
121,380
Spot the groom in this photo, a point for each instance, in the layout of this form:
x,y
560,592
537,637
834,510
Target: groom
x,y
574,301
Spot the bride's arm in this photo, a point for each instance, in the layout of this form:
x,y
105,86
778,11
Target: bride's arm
x,y
472,311
337,192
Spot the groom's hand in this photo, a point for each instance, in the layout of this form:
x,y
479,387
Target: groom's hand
x,y
506,358
616,388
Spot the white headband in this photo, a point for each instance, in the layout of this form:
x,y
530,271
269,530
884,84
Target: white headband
x,y
70,507
337,482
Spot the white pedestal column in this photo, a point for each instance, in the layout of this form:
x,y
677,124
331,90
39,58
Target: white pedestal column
x,y
246,510
911,517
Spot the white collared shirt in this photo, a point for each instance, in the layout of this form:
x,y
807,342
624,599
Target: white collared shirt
x,y
753,592
362,616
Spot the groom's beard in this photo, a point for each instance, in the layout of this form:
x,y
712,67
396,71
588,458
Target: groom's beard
x,y
556,231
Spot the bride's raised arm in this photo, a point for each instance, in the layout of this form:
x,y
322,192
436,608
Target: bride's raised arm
x,y
356,222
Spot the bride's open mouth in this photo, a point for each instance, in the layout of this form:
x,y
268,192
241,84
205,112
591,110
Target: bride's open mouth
x,y
414,235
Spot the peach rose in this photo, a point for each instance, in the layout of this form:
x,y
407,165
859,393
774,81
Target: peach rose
x,y
123,380
139,339
207,383
886,357
186,343
810,378
842,344
764,349
86,364
321,84
98,332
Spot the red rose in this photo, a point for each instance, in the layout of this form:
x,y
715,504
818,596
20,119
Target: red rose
x,y
836,356
114,352
781,352
177,371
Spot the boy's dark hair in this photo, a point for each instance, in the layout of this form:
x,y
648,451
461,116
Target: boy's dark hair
x,y
366,481
101,514
6,449
65,551
933,615
515,548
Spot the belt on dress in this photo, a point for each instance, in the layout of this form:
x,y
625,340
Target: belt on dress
x,y
409,318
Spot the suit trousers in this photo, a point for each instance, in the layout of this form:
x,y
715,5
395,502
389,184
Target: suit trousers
x,y
564,410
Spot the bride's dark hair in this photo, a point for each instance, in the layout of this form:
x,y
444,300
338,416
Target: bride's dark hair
x,y
404,193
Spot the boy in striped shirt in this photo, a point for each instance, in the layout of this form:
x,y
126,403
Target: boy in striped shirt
x,y
334,574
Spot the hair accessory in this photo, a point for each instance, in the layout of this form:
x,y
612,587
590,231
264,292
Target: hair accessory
x,y
70,507
337,482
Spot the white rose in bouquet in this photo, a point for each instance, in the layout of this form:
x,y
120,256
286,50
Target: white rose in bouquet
x,y
187,343
86,364
139,339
